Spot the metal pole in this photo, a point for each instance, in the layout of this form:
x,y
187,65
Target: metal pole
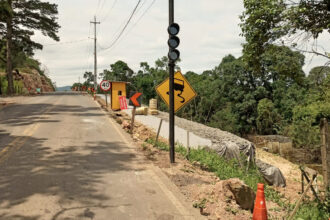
x,y
95,55
106,99
171,92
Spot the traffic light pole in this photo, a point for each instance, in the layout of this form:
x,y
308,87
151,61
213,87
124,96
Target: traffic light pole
x,y
171,66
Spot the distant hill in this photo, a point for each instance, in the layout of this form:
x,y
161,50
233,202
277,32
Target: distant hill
x,y
63,88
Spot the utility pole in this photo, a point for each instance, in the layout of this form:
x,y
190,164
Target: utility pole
x,y
171,92
95,53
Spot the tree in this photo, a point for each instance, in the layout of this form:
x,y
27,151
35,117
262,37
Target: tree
x,y
18,21
119,71
261,26
305,129
318,74
266,22
267,117
89,78
76,86
281,63
311,16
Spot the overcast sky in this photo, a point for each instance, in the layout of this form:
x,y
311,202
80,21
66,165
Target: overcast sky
x,y
209,31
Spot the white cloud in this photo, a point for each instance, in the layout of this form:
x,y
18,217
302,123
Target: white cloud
x,y
209,31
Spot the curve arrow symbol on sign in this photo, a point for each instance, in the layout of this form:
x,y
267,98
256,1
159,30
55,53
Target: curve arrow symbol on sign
x,y
134,99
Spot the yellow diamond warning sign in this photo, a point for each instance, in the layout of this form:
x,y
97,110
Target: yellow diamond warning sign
x,y
183,92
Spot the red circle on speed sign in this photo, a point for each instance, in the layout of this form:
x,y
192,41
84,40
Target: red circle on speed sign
x,y
105,85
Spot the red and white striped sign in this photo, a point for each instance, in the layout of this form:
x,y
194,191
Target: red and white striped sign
x,y
122,102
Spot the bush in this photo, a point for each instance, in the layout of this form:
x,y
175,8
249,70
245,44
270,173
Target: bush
x,y
305,131
314,211
267,117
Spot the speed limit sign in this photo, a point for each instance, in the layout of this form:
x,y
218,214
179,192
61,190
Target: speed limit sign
x,y
105,85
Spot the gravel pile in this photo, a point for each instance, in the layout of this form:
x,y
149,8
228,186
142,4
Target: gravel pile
x,y
230,146
214,134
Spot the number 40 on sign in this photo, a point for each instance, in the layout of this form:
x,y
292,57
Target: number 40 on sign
x,y
105,85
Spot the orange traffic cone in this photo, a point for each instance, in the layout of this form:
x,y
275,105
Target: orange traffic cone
x,y
260,211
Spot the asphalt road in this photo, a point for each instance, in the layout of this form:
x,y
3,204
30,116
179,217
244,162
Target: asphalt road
x,y
63,158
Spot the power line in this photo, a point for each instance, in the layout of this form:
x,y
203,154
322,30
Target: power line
x,y
102,6
141,6
67,42
139,19
88,50
122,31
97,7
124,22
108,13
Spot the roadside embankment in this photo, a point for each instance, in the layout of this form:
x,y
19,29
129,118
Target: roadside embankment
x,y
27,83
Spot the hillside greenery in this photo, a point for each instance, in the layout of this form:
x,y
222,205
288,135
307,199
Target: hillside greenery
x,y
18,22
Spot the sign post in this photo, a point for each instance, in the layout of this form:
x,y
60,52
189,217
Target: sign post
x,y
135,100
106,99
105,86
182,93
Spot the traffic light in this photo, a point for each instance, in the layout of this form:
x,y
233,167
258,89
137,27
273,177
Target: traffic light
x,y
173,42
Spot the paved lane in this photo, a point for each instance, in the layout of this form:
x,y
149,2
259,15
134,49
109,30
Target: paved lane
x,y
62,158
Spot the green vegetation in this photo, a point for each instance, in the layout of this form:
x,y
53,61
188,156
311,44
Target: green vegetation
x,y
314,210
231,97
18,22
225,169
201,204
18,86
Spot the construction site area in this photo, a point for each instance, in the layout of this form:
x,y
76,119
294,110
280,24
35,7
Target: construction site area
x,y
218,171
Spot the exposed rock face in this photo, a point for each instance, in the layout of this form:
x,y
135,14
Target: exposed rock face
x,y
242,193
35,80
31,81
